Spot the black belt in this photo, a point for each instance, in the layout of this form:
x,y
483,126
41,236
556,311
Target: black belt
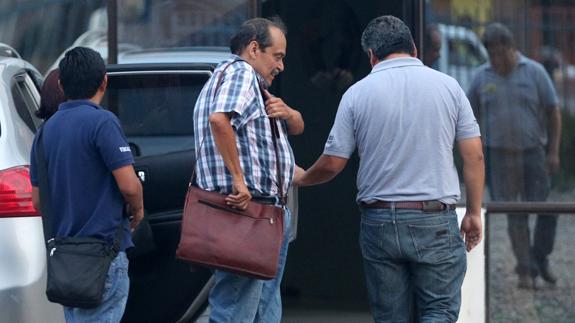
x,y
269,200
426,206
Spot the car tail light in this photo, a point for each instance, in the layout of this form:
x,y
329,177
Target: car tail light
x,y
16,193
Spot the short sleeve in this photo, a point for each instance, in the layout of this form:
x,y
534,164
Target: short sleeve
x,y
341,140
112,144
467,126
235,94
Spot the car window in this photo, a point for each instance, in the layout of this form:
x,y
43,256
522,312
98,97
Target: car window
x,y
464,53
26,100
155,108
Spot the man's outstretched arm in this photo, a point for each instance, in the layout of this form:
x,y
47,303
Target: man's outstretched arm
x,y
322,171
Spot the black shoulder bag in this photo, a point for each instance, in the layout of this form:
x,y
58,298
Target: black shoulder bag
x,y
77,266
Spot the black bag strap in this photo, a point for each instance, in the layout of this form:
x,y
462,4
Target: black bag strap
x,y
275,134
275,138
45,195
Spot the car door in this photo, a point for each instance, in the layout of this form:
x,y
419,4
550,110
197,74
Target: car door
x,y
155,106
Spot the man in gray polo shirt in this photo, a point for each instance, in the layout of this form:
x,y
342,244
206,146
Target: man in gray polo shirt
x,y
516,105
404,119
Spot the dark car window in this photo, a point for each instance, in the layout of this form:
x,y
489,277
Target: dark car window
x,y
26,99
155,108
463,53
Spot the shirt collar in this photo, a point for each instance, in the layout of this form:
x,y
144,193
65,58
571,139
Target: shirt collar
x,y
396,62
77,103
260,79
521,60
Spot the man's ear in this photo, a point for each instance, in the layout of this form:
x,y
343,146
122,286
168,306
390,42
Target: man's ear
x,y
372,58
414,50
60,86
104,83
253,49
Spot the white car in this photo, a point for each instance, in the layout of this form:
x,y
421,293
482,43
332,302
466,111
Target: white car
x,y
22,249
461,53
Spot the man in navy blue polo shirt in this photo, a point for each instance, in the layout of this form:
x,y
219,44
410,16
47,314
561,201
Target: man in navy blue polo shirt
x,y
91,176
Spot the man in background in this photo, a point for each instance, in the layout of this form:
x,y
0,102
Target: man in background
x,y
517,108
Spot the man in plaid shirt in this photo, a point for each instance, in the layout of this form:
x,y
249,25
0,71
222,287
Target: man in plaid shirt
x,y
233,120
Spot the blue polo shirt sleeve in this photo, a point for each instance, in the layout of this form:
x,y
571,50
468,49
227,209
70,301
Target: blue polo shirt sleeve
x,y
112,144
235,94
467,126
341,140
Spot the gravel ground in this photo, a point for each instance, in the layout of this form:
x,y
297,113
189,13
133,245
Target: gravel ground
x,y
544,304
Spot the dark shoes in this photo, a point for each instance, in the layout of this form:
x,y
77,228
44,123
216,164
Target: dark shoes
x,y
546,272
526,281
540,268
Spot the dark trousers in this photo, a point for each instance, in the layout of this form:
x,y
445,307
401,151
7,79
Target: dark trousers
x,y
522,175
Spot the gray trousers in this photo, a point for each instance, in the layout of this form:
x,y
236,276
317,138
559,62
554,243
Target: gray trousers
x,y
522,175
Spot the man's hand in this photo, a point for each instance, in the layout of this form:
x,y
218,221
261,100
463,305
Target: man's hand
x,y
553,163
240,197
276,107
136,215
131,190
471,230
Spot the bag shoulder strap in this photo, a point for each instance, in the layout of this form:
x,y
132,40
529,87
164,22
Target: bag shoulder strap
x,y
275,138
218,84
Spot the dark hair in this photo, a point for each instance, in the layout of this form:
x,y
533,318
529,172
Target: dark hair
x,y
82,71
257,29
430,29
387,35
51,96
497,34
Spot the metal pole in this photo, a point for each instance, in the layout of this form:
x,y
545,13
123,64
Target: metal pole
x,y
255,9
486,254
112,32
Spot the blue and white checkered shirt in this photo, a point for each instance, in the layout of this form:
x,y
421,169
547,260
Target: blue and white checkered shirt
x,y
240,95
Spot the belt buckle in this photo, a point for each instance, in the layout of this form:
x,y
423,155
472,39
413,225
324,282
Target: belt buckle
x,y
432,206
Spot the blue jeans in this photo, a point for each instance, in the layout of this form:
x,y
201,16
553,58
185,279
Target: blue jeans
x,y
240,299
414,264
115,296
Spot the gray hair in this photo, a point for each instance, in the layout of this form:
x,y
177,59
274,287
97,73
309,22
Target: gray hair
x,y
256,29
387,35
497,34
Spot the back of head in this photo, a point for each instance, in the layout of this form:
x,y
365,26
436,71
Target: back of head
x,y
497,34
82,71
387,35
256,29
431,44
51,96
